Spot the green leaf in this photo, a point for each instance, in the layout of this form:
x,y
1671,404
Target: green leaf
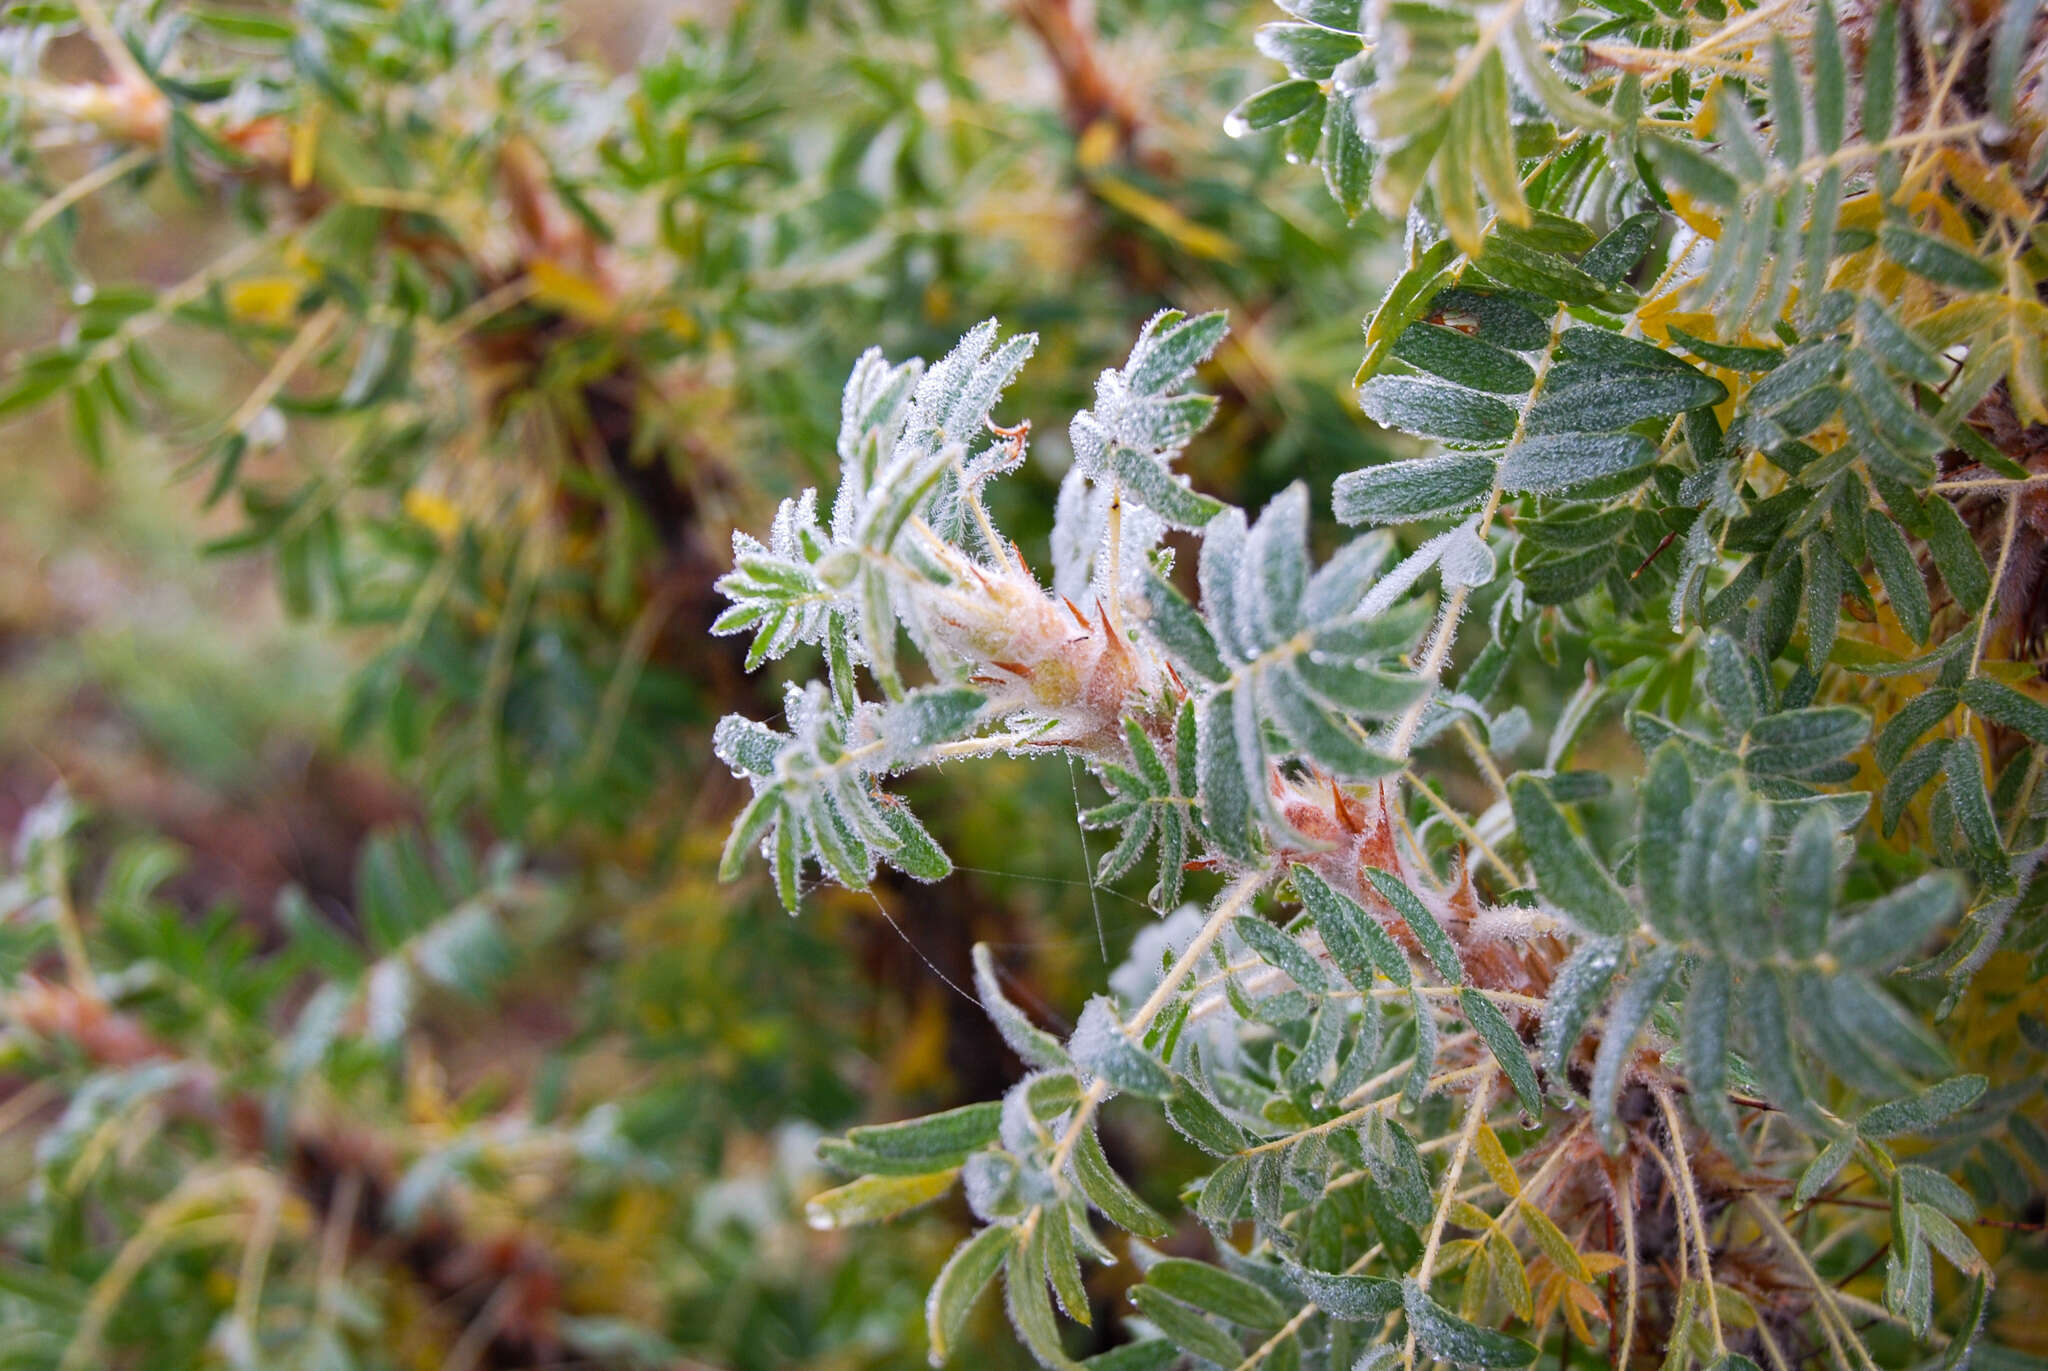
x,y
1579,988
1910,722
916,854
965,1275
1597,398
1961,1342
1171,346
1222,1196
1347,157
1272,106
1963,772
1217,1292
1277,949
1442,952
1306,50
1566,870
1054,1236
1892,927
1735,878
1355,940
1936,259
1154,1354
1423,488
1226,793
1809,884
1156,487
1801,739
1918,1113
1691,169
1198,1119
1349,1298
1341,15
1705,1037
1956,556
874,1198
1444,1335
1107,1192
1824,1168
1030,1307
1830,85
1185,1328
1626,1018
931,1143
1919,767
1435,410
1180,630
1660,842
2001,704
1506,1046
1763,996
1464,360
1030,1042
1100,1047
1556,463
1405,301
1900,574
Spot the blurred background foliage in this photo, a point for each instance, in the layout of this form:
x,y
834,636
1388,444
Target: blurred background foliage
x,y
386,380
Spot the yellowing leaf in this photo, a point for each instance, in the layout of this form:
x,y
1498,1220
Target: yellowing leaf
x,y
1494,1158
1696,218
437,512
874,1198
264,299
1600,1263
1510,1276
1555,1244
1467,1215
1162,218
570,292
1097,146
1990,187
305,141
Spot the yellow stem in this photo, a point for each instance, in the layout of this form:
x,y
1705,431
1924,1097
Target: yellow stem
x,y
1475,1114
1689,1196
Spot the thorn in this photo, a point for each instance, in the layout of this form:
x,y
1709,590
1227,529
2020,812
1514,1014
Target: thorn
x,y
1079,617
1102,613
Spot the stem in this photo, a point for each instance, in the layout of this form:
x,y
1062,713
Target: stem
x,y
70,934
1236,896
1352,1116
308,341
1475,1114
1115,536
1465,828
1439,650
1992,482
256,1259
1691,1200
1629,1257
2012,523
114,48
99,177
1827,1310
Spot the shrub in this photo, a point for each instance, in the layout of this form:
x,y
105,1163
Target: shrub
x,y
1721,329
